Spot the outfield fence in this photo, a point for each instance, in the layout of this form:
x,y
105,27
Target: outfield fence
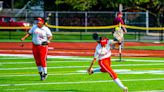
x,y
80,25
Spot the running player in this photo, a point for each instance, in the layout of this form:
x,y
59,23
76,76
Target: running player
x,y
41,36
103,54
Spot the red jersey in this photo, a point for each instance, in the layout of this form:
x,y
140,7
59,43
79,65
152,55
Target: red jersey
x,y
118,20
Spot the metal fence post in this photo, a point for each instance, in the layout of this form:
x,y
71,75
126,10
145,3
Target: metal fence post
x,y
139,35
161,36
57,21
86,21
147,21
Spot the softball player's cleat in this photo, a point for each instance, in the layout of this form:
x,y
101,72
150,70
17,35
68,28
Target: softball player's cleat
x,y
44,76
41,75
126,89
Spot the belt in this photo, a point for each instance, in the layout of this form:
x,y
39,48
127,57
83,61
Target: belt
x,y
39,45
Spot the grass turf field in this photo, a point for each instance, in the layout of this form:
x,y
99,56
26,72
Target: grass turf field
x,y
14,36
67,74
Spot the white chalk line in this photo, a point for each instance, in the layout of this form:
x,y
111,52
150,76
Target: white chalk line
x,y
76,52
23,56
91,59
150,91
57,67
57,74
78,82
69,61
82,72
129,71
14,89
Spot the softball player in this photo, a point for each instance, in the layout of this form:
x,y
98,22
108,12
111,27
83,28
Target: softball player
x,y
119,31
103,54
41,36
118,20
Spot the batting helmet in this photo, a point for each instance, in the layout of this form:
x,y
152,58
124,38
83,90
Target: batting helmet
x,y
103,41
39,19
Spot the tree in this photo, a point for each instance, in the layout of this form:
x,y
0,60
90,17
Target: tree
x,y
81,5
19,3
155,7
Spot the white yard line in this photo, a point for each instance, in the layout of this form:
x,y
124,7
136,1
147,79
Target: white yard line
x,y
139,64
24,56
128,71
78,52
58,74
84,72
29,68
68,61
14,89
150,91
56,67
79,82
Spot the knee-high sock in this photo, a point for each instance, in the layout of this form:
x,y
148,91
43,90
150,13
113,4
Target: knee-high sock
x,y
119,83
96,70
45,70
40,69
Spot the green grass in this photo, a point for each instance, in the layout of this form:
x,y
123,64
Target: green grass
x,y
15,36
19,74
146,47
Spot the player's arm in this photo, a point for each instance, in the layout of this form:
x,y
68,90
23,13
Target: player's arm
x,y
123,26
91,65
23,38
124,29
49,39
49,35
93,61
28,33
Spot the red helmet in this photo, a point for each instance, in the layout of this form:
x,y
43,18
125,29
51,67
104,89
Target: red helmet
x,y
40,20
103,41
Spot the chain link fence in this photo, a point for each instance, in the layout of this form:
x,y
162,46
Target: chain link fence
x,y
90,18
